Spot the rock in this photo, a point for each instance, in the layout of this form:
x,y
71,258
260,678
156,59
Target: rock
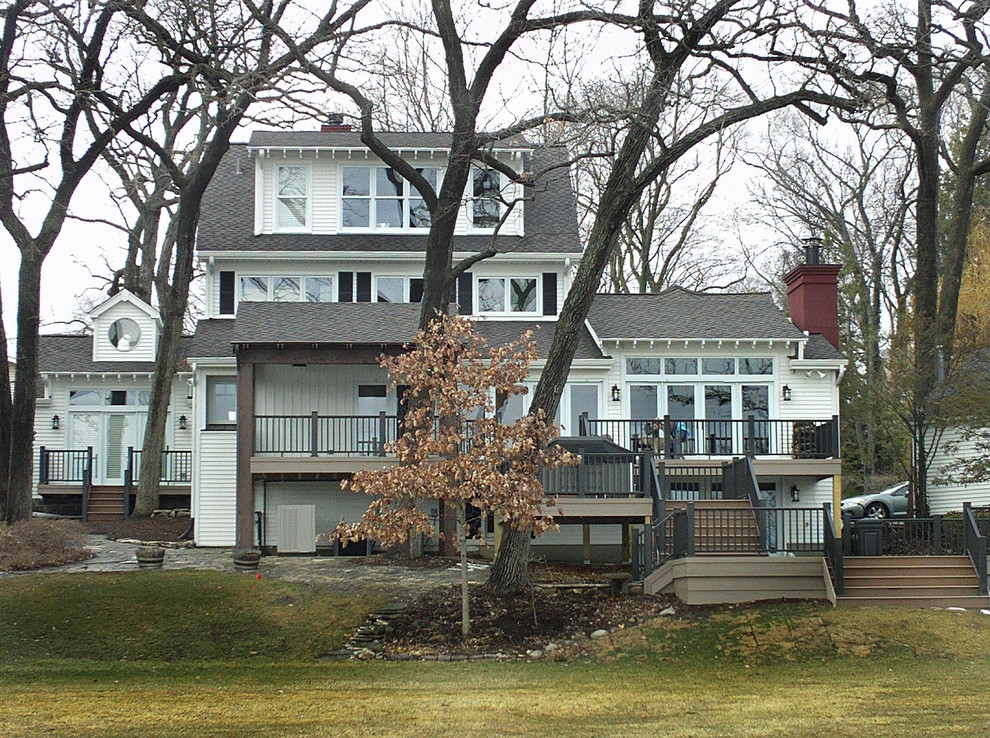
x,y
667,612
984,612
956,609
551,647
537,654
364,654
600,633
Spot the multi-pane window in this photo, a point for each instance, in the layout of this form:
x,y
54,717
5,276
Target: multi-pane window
x,y
286,289
378,197
486,200
756,366
507,295
718,367
113,398
221,401
390,289
292,197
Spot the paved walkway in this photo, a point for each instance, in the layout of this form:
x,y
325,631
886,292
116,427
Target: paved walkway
x,y
342,573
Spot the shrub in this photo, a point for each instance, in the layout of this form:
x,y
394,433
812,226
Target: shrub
x,y
32,544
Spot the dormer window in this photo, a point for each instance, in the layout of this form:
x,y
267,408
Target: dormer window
x,y
379,198
486,201
292,198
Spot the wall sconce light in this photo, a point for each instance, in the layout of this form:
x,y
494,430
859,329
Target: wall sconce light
x,y
55,422
616,393
785,393
795,496
182,422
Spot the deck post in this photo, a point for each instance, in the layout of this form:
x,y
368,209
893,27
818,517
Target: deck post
x,y
245,450
42,466
750,449
626,543
668,437
937,534
87,483
128,481
583,423
835,437
381,433
586,542
314,433
690,529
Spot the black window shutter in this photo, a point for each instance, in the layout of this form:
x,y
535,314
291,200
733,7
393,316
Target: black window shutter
x,y
549,293
345,287
465,294
363,287
416,289
226,293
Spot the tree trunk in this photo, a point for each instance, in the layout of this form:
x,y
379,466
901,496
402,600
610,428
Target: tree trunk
x,y
6,418
509,574
462,544
22,424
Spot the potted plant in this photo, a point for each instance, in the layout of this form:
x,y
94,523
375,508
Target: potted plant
x,y
247,559
150,557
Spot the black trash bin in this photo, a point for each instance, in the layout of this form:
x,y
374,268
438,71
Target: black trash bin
x,y
870,537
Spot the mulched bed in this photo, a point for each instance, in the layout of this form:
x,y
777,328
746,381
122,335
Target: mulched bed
x,y
141,529
565,617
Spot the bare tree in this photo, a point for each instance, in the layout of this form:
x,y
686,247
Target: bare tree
x,y
689,49
237,54
56,62
854,190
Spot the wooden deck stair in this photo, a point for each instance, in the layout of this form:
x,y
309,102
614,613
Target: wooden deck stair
x,y
723,527
105,504
910,581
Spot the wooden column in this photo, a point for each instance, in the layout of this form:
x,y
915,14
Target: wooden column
x,y
837,504
586,542
626,543
245,449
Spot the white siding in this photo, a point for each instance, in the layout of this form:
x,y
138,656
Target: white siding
x,y
147,344
325,211
330,501
813,396
215,488
328,390
945,497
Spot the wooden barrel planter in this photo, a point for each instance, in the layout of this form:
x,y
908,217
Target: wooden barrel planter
x,y
150,557
247,560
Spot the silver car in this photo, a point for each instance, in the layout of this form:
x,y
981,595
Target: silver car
x,y
886,503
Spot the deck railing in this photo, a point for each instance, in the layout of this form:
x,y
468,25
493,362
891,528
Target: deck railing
x,y
834,550
68,466
934,536
976,546
322,435
176,466
600,475
671,438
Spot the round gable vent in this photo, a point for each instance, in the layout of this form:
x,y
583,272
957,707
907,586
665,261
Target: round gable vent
x,y
124,334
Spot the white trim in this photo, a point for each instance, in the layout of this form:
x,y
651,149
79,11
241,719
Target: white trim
x,y
129,297
415,256
259,195
365,150
507,310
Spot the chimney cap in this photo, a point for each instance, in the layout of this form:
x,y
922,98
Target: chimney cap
x,y
813,250
335,123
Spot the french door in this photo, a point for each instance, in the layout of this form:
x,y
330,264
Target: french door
x,y
110,435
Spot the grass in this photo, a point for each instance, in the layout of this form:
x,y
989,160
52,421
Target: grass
x,y
779,669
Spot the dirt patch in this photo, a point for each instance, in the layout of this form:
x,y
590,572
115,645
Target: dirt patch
x,y
553,622
38,543
141,529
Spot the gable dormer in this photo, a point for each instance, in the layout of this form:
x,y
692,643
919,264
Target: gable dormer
x,y
125,328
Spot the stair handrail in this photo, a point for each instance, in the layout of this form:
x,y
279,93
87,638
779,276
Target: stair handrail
x,y
833,549
976,546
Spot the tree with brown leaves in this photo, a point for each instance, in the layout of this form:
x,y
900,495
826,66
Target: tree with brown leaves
x,y
455,447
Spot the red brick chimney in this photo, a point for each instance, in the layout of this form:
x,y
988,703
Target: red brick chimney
x,y
813,295
335,123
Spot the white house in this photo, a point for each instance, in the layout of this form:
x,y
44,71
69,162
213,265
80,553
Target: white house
x,y
313,254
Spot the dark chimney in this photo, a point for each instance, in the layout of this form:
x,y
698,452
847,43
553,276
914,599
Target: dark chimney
x,y
813,294
335,123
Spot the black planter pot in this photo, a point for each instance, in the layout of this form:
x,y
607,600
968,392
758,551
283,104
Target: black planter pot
x,y
150,557
247,560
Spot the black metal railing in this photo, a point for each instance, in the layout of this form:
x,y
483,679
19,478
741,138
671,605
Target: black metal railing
x,y
976,546
319,435
833,549
672,438
934,536
176,466
601,475
68,466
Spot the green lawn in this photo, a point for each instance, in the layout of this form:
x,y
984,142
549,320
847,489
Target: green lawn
x,y
97,655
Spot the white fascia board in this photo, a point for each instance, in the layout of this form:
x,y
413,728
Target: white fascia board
x,y
212,362
805,364
416,256
443,150
125,295
603,364
717,342
594,336
90,375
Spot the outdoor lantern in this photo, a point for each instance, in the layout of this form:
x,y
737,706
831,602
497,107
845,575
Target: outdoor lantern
x,y
785,392
55,421
615,393
182,422
795,497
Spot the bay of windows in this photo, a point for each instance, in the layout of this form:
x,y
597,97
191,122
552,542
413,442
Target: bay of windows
x,y
752,366
378,197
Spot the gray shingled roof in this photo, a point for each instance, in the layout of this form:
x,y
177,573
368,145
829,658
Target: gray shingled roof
x,y
213,338
370,323
227,221
677,313
352,139
818,347
74,353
